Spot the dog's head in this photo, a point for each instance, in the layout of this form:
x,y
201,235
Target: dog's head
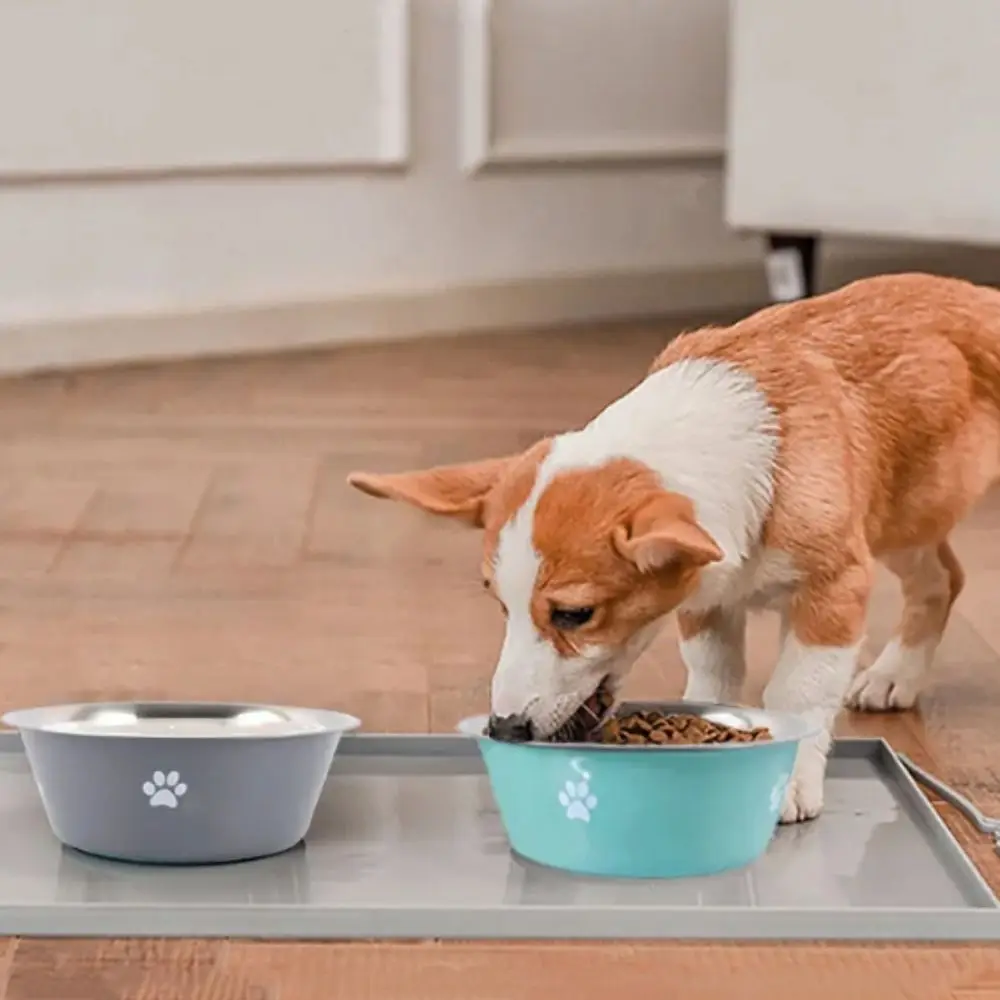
x,y
584,560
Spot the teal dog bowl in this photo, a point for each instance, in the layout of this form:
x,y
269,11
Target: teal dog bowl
x,y
644,811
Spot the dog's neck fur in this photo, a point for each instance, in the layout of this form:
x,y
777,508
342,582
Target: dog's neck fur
x,y
709,433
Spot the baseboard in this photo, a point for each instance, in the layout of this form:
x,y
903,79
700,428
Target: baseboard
x,y
516,305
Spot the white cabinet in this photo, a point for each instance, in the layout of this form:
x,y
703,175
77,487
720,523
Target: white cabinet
x,y
866,117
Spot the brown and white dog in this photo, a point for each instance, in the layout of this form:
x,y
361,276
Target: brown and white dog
x,y
766,464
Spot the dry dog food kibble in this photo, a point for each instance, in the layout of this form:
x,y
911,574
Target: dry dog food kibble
x,y
655,727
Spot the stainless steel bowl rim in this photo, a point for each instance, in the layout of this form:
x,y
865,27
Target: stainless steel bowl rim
x,y
793,728
60,719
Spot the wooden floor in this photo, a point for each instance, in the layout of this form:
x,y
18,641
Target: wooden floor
x,y
185,531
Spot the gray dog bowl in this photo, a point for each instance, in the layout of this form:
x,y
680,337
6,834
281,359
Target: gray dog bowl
x,y
179,783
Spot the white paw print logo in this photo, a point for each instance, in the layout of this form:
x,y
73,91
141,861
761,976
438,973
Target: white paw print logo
x,y
576,797
778,793
165,789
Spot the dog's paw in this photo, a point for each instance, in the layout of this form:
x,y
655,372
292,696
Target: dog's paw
x,y
803,800
875,692
892,682
804,794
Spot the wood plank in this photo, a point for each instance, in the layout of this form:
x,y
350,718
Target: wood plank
x,y
73,969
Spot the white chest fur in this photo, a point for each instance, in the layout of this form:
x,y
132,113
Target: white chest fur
x,y
764,580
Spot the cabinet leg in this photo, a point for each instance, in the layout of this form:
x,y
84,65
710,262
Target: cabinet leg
x,y
791,265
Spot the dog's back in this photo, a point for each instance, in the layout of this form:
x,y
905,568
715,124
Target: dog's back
x,y
890,383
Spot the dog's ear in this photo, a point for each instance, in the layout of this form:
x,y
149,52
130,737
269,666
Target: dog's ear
x,y
664,532
457,491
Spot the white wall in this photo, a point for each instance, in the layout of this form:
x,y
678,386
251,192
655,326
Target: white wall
x,y
399,165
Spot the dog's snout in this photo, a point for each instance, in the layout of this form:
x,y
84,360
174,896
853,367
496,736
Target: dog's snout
x,y
510,728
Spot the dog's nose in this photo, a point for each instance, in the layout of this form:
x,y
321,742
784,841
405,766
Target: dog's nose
x,y
510,728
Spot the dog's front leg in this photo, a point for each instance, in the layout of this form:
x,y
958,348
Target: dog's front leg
x,y
823,631
713,650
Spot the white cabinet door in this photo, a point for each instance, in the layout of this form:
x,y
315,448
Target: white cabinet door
x,y
870,117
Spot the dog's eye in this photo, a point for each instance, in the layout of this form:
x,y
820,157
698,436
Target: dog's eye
x,y
567,619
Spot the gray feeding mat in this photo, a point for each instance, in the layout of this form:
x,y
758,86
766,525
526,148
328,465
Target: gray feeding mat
x,y
406,843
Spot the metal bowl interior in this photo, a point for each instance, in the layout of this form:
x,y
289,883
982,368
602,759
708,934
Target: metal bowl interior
x,y
784,726
188,720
